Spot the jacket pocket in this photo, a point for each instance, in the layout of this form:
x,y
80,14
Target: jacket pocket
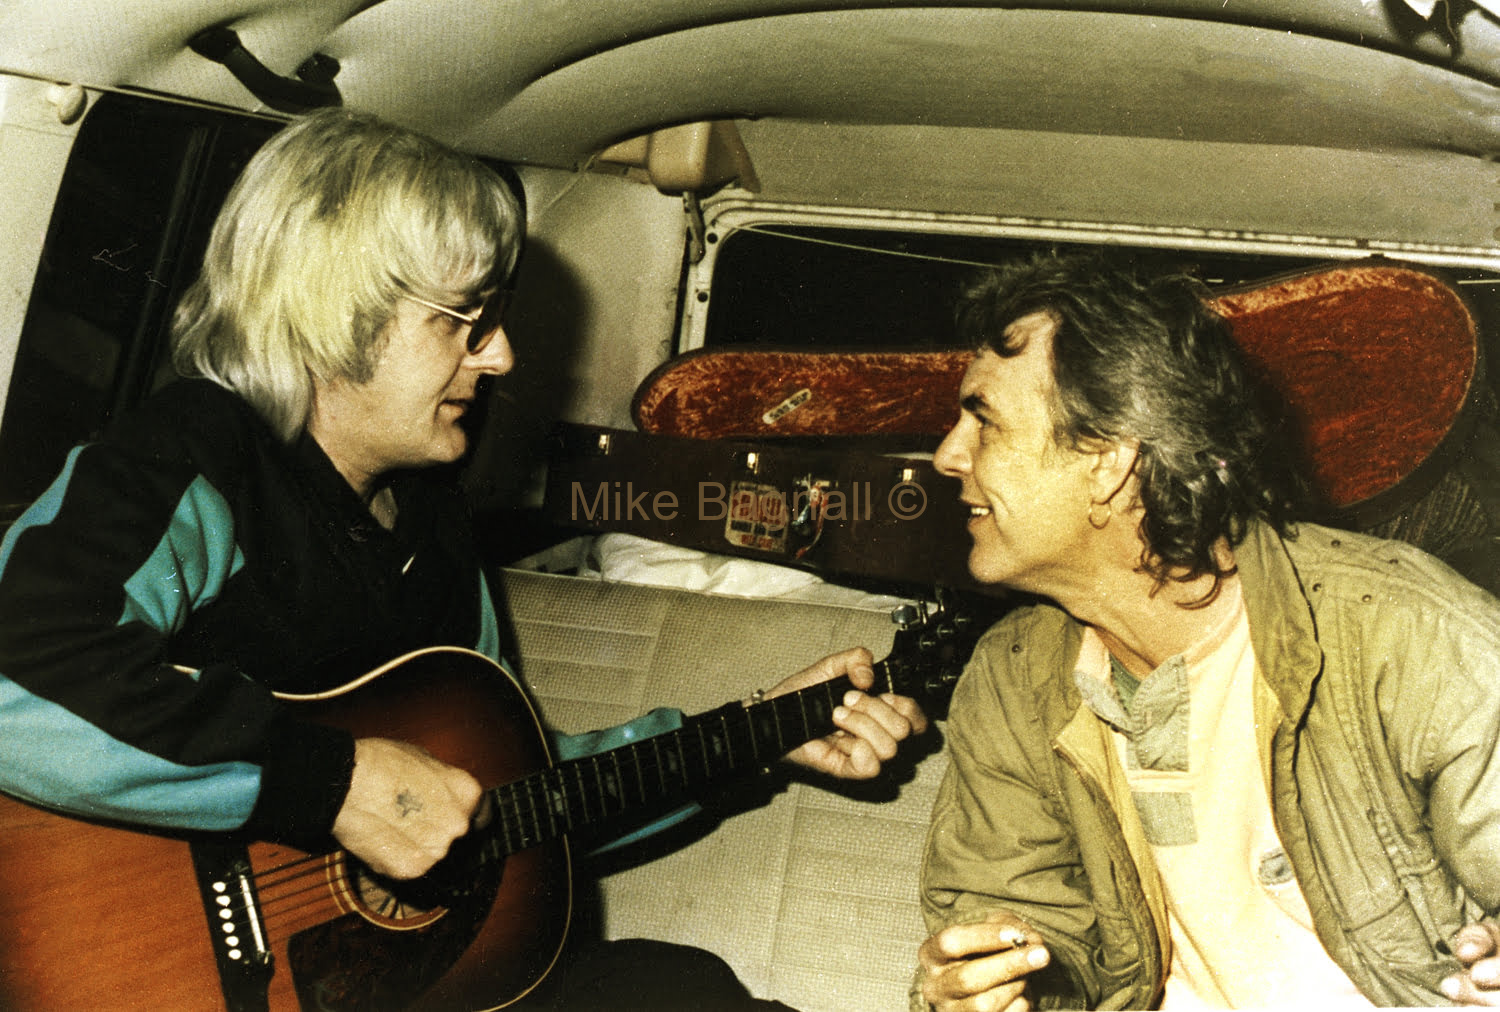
x,y
1433,897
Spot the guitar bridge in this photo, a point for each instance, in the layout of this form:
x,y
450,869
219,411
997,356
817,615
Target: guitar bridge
x,y
227,887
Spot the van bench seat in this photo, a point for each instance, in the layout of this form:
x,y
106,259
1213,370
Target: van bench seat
x,y
810,897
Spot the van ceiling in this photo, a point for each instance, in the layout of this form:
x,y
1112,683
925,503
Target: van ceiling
x,y
553,81
1325,115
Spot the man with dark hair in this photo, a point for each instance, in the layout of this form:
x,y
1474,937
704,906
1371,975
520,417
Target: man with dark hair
x,y
1224,760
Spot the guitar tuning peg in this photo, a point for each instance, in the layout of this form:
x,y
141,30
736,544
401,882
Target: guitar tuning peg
x,y
905,616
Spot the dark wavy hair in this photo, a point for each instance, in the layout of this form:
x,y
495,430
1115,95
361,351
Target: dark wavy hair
x,y
1142,356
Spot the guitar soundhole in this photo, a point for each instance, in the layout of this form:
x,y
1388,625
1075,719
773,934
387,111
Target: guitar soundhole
x,y
383,902
395,941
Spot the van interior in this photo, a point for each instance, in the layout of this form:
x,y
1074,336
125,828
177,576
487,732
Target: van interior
x,y
747,221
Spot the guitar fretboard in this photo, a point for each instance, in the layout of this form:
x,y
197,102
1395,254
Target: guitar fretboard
x,y
716,745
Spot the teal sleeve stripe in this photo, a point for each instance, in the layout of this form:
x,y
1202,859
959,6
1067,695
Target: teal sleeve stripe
x,y
647,725
650,724
667,821
489,625
189,566
57,759
43,511
505,667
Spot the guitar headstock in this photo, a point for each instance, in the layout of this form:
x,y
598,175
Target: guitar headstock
x,y
932,645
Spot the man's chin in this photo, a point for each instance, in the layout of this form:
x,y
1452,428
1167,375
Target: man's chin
x,y
985,570
448,450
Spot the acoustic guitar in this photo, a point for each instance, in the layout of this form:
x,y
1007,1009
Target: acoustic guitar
x,y
96,916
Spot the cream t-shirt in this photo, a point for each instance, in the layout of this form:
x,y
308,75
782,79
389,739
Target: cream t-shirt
x,y
1242,936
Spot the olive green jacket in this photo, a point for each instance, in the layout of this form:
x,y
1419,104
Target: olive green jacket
x,y
1377,703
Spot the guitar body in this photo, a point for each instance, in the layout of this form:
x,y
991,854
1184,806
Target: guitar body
x,y
95,916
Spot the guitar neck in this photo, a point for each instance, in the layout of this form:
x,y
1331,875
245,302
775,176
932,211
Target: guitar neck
x,y
720,744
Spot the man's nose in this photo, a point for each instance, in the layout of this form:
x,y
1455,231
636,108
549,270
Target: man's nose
x,y
952,456
497,357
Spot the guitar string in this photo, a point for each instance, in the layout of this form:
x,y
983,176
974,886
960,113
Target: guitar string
x,y
283,887
651,764
299,888
696,761
298,894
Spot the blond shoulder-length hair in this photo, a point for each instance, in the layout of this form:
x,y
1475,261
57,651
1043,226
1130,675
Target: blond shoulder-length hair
x,y
330,224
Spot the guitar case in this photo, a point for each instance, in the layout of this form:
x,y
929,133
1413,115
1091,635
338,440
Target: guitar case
x,y
887,520
1377,365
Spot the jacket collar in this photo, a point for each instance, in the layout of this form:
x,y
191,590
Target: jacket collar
x,y
1282,628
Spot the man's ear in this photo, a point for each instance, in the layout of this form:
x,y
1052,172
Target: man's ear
x,y
1114,463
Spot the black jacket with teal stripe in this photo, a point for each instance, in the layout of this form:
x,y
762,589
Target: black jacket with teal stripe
x,y
180,571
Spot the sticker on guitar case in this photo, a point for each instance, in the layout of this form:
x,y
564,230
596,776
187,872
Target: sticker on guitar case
x,y
757,517
787,406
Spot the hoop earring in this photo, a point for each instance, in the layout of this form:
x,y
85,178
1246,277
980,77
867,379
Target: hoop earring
x,y
1109,512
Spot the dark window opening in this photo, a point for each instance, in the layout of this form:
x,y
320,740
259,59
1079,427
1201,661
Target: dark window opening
x,y
139,196
812,287
838,288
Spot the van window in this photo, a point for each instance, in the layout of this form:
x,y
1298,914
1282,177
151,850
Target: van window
x,y
132,216
816,287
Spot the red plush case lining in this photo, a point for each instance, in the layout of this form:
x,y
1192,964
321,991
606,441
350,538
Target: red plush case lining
x,y
1374,360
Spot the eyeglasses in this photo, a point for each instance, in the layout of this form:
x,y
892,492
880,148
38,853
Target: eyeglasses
x,y
483,324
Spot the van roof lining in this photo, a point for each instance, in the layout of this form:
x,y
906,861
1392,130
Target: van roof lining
x,y
503,81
